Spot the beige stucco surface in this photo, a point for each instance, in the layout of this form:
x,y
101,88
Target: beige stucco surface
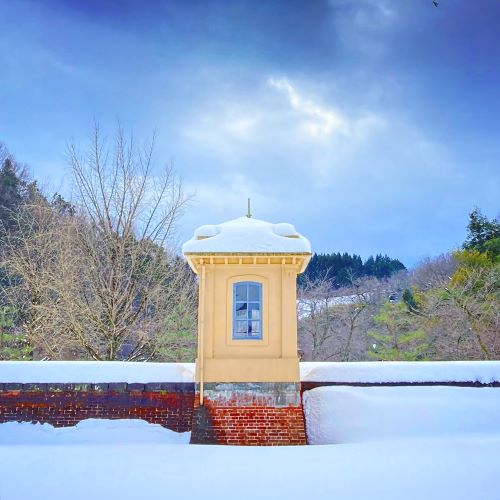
x,y
247,249
270,359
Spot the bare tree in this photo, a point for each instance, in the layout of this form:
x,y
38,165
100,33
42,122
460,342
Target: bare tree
x,y
360,298
465,316
4,153
333,321
37,258
316,327
434,272
103,280
175,340
131,215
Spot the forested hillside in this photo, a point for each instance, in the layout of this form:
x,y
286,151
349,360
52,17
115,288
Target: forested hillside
x,y
342,269
446,308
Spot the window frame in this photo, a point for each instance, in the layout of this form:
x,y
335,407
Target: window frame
x,y
248,320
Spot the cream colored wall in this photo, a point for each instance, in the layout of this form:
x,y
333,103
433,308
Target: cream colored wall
x,y
271,359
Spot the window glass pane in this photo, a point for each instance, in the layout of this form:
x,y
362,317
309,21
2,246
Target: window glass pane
x,y
250,332
241,327
254,311
241,292
247,310
241,310
253,292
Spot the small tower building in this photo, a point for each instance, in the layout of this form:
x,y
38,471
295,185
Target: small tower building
x,y
247,329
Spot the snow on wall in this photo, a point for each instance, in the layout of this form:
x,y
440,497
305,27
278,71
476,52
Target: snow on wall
x,y
484,372
26,372
359,414
67,372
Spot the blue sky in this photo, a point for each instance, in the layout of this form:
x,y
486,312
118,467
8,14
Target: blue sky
x,y
372,125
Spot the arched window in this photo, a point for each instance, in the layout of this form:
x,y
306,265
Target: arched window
x,y
247,310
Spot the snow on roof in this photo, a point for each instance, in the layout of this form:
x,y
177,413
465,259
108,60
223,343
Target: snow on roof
x,y
247,235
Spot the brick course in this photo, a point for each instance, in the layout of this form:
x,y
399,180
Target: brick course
x,y
233,414
250,415
62,405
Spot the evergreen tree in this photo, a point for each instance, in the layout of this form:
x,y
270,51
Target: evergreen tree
x,y
61,206
342,269
397,339
409,300
13,345
10,192
15,189
483,234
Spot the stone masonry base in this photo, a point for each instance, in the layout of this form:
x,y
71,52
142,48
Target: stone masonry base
x,y
249,414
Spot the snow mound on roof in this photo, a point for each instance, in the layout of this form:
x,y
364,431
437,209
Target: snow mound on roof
x,y
247,235
484,372
91,431
285,229
73,372
359,414
206,231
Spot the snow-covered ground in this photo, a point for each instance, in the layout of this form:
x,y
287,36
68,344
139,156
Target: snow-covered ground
x,y
397,443
439,468
304,306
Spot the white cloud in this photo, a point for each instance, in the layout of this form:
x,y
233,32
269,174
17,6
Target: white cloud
x,y
317,121
241,127
225,198
225,195
279,126
225,128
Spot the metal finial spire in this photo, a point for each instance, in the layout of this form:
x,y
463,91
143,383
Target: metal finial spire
x,y
249,214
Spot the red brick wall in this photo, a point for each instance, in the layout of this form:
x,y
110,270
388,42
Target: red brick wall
x,y
248,417
237,414
251,425
170,405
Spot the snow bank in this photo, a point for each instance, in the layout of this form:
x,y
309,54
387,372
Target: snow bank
x,y
29,372
359,414
90,431
401,371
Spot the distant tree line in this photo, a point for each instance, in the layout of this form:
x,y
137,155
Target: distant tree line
x,y
446,308
341,269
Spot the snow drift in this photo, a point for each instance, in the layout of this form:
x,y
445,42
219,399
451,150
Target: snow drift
x,y
359,414
91,431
